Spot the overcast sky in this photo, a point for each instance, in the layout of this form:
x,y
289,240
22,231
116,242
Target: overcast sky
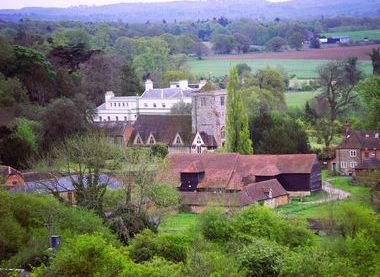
x,y
16,4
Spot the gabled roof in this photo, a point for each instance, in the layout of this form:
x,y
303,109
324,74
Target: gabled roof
x,y
361,140
164,128
260,191
233,171
208,140
5,171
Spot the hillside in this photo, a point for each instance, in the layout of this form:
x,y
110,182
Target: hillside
x,y
190,10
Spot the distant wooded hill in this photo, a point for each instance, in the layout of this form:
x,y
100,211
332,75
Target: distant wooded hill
x,y
193,10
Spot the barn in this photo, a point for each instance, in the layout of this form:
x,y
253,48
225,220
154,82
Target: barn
x,y
231,173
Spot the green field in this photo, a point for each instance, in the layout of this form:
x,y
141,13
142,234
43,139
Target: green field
x,y
298,99
177,222
357,35
303,69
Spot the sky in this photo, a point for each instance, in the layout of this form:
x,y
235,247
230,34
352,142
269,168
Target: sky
x,y
17,4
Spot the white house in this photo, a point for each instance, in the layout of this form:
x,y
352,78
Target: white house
x,y
152,101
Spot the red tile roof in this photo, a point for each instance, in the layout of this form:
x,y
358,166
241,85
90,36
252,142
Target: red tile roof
x,y
250,194
232,171
361,140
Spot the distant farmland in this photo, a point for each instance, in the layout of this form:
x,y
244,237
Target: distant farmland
x,y
303,69
357,35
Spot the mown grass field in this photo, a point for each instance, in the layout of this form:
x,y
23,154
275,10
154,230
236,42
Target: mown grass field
x,y
357,35
303,69
177,222
298,99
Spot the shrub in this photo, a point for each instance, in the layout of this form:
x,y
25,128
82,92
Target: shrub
x,y
214,224
159,150
146,245
157,267
261,258
85,255
164,195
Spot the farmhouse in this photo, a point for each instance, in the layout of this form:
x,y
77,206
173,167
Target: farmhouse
x,y
236,180
358,150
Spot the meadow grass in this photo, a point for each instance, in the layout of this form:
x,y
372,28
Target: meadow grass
x,y
177,222
298,99
302,69
357,35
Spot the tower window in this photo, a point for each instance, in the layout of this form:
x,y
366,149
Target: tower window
x,y
203,101
222,100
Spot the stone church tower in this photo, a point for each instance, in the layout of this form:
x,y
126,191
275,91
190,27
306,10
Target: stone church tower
x,y
208,114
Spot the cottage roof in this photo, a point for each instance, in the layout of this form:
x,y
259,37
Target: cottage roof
x,y
250,194
232,171
7,170
361,140
371,163
164,128
208,140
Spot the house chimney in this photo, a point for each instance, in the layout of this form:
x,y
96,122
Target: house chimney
x,y
148,84
184,84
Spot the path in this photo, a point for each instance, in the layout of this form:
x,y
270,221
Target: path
x,y
333,194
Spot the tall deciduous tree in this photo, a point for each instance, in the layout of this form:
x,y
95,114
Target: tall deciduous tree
x,y
369,93
375,57
338,79
237,119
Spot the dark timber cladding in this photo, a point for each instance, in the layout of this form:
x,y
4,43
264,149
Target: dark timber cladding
x,y
232,172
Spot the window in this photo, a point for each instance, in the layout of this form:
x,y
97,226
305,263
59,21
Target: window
x,y
114,104
146,105
163,105
125,118
199,149
343,164
151,140
138,140
199,140
154,105
366,154
100,118
109,118
203,101
123,104
352,153
127,104
118,104
178,140
353,164
222,100
117,118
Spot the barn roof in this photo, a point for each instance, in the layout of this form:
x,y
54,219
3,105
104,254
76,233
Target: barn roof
x,y
232,171
249,194
361,140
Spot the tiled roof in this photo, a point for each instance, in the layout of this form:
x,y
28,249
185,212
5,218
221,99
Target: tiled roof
x,y
232,171
250,194
164,128
369,164
166,93
361,140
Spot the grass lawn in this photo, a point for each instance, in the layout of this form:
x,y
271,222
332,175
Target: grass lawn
x,y
177,222
358,194
357,35
303,69
298,99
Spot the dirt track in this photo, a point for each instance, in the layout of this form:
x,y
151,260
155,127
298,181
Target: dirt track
x,y
330,53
